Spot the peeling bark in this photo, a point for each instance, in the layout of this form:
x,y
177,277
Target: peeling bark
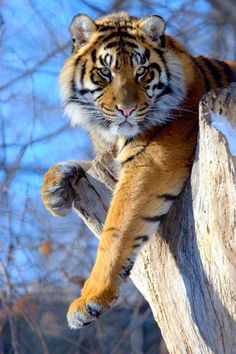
x,y
187,270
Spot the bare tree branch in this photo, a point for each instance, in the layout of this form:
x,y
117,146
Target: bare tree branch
x,y
35,67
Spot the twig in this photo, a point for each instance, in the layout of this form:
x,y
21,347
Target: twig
x,y
7,304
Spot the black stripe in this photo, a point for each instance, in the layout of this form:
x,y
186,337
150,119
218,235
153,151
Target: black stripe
x,y
110,115
73,46
155,66
135,155
130,158
159,86
73,87
141,114
121,43
168,196
108,57
137,245
74,97
147,54
226,68
104,122
127,35
167,90
83,70
117,64
143,238
73,83
131,44
110,36
155,218
107,109
82,92
111,45
120,34
97,98
145,105
162,41
129,140
106,28
214,71
161,55
202,71
127,269
102,61
96,90
93,55
77,61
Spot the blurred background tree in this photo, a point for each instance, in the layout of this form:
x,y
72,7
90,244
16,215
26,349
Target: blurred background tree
x,y
43,263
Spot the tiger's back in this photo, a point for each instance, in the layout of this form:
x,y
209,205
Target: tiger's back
x,y
136,90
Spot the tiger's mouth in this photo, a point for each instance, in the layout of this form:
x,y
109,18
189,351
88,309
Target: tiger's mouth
x,y
125,128
125,124
119,125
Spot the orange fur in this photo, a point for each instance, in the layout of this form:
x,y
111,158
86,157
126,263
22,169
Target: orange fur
x,y
155,161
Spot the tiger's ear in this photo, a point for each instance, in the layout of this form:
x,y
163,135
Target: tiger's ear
x,y
82,27
153,27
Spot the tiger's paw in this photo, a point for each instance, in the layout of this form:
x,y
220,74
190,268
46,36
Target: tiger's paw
x,y
57,189
83,310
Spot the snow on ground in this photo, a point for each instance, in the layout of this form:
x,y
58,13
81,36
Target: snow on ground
x,y
222,124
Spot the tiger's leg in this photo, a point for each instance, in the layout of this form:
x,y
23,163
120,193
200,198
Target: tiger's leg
x,y
140,201
59,186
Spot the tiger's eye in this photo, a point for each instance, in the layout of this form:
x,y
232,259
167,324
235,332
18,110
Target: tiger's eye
x,y
105,72
141,70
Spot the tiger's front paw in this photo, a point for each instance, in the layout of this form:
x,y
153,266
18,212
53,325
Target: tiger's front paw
x,y
85,309
57,189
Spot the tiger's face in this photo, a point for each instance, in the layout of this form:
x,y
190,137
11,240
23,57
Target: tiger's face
x,y
119,80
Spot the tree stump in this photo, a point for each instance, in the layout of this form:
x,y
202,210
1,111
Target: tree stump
x,y
187,271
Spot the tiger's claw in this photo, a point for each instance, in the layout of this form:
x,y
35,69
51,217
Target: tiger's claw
x,y
57,190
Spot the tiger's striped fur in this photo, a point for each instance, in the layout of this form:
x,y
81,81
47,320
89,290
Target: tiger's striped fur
x,y
137,91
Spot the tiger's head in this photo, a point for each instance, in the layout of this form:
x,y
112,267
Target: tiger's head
x,y
121,78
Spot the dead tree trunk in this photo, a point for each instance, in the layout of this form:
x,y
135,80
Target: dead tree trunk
x,y
187,271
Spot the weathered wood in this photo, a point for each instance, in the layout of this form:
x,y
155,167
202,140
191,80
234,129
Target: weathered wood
x,y
187,271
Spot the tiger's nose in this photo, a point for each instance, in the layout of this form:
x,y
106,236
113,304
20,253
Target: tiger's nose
x,y
126,109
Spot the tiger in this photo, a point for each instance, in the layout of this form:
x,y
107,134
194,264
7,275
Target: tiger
x,y
136,90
